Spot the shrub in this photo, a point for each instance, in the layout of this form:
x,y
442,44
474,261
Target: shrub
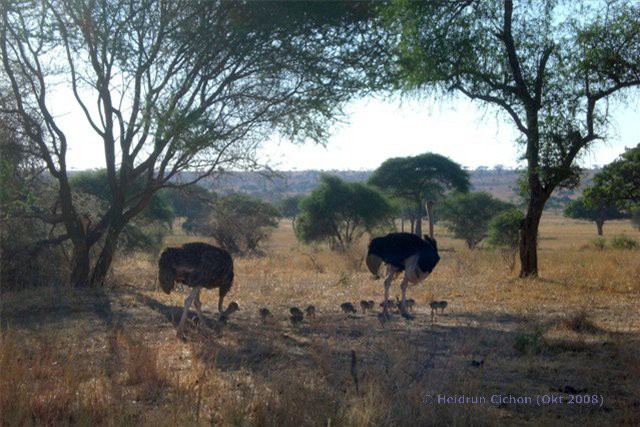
x,y
599,243
467,215
578,322
504,234
340,212
239,223
529,342
504,229
623,242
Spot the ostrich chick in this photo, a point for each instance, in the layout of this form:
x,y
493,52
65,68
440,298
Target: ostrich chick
x,y
311,311
296,315
347,308
265,314
410,304
366,305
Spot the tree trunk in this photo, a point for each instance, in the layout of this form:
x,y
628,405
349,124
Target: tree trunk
x,y
80,265
430,214
402,224
529,238
106,257
418,229
599,224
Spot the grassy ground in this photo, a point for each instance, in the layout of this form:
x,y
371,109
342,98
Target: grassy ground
x,y
111,356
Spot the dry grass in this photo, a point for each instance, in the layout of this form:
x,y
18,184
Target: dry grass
x,y
112,358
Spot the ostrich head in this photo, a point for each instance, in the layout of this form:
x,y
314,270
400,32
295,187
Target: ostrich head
x,y
373,263
166,269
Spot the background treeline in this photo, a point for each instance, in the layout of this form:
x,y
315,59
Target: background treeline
x,y
274,186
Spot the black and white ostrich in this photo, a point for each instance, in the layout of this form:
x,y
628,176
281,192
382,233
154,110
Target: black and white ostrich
x,y
402,252
197,265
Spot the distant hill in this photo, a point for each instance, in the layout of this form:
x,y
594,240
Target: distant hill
x,y
274,186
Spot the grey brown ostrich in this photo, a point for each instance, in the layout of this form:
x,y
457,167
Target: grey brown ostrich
x,y
197,265
402,252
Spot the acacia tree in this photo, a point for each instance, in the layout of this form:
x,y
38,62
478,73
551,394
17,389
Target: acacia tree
x,y
239,223
550,66
597,211
145,231
168,86
618,183
468,215
420,180
341,212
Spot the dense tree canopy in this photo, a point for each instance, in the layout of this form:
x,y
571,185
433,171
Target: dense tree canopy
x,y
239,223
340,212
618,183
144,232
597,211
504,233
468,215
421,180
290,208
190,201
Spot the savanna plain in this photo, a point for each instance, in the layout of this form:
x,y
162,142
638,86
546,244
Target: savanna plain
x,y
570,338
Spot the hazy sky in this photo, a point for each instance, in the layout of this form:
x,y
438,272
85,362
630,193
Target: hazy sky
x,y
461,130
379,129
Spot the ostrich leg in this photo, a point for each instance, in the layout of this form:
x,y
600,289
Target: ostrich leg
x,y
387,284
198,306
187,303
403,304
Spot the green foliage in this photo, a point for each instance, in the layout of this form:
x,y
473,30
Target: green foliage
x,y
96,184
418,179
339,212
599,243
239,223
290,206
467,215
635,218
530,342
427,177
190,201
144,232
504,229
407,211
23,190
592,210
618,183
623,242
447,47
